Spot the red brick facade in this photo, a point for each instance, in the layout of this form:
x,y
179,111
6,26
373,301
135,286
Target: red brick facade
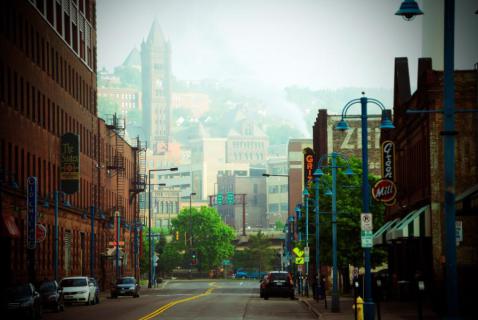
x,y
48,88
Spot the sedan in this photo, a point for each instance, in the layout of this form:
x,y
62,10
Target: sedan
x,y
51,295
125,286
22,301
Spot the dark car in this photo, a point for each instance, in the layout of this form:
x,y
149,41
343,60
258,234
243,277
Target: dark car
x,y
51,296
278,283
125,286
97,291
22,301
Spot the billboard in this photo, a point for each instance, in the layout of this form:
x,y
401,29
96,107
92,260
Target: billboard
x,y
70,163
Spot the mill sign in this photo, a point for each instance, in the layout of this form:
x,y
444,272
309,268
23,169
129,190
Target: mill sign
x,y
384,190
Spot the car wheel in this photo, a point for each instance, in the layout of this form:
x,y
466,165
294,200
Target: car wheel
x,y
266,298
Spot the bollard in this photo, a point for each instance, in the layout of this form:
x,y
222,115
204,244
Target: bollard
x,y
421,288
358,308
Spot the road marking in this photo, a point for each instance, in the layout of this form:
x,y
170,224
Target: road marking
x,y
175,302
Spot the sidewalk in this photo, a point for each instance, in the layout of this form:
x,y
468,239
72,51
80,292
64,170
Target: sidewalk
x,y
389,310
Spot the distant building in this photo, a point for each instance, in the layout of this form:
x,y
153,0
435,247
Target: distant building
x,y
295,159
196,103
156,75
128,99
277,191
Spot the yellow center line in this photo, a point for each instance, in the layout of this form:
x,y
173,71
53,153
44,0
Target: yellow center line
x,y
175,302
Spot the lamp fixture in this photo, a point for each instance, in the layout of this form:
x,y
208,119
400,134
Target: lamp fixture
x,y
408,10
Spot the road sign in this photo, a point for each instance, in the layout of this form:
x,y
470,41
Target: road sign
x,y
226,262
230,198
219,198
366,222
298,252
367,239
299,260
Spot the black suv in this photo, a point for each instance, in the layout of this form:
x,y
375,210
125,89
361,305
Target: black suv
x,y
125,286
278,283
51,295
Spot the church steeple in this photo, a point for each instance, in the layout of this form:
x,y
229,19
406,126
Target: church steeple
x,y
156,35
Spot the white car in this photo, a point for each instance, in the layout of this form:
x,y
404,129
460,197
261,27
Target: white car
x,y
78,289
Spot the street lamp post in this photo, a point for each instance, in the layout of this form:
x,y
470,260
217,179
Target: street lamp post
x,y
318,173
55,230
150,276
306,201
369,311
317,234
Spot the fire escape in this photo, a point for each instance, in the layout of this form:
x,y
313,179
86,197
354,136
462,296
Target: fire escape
x,y
116,164
136,191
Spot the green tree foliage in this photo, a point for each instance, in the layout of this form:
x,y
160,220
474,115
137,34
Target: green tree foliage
x,y
279,225
258,256
349,208
211,238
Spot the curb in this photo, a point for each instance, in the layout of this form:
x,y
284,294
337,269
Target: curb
x,y
311,308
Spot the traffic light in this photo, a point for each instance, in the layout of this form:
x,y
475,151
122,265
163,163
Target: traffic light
x,y
177,235
194,260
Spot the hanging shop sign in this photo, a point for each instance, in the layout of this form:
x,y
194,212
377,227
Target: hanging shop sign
x,y
70,163
32,187
384,190
309,165
41,232
388,160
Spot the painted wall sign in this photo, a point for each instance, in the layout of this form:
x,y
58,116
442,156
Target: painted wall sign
x,y
384,190
309,165
32,185
70,163
388,160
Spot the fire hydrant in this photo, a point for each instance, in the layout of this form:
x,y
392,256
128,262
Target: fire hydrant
x,y
359,304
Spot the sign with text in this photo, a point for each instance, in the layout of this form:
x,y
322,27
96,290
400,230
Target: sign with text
x,y
309,165
32,186
384,190
366,238
40,232
388,160
70,163
366,222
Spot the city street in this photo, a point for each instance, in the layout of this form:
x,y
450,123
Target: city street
x,y
196,299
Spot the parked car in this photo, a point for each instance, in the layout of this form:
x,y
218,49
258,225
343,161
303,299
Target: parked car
x,y
51,295
241,275
78,289
262,286
278,283
97,291
125,286
22,301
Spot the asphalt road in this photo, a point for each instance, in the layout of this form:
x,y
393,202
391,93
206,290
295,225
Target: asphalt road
x,y
196,299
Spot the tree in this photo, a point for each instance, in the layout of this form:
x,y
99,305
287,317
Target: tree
x,y
279,225
257,256
211,239
349,208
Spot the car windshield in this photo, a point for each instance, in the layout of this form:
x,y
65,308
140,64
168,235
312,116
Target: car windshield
x,y
126,281
73,282
47,286
19,292
279,276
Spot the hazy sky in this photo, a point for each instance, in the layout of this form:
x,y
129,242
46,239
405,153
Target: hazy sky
x,y
316,43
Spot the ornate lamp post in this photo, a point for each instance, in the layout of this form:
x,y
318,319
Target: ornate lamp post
x,y
369,310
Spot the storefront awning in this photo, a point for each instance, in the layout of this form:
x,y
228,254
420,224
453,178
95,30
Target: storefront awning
x,y
379,235
9,227
415,224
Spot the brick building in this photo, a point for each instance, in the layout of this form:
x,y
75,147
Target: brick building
x,y
48,88
414,233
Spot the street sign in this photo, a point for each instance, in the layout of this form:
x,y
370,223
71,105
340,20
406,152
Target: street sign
x,y
367,239
298,252
31,212
299,260
219,198
226,262
230,198
366,222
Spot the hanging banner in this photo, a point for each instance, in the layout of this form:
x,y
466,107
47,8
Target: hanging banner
x,y
70,163
32,186
309,165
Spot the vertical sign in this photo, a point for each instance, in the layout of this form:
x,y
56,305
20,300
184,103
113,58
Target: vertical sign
x,y
388,160
70,163
309,165
366,227
31,212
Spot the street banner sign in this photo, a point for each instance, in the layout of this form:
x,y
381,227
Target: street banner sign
x,y
70,163
31,212
309,166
